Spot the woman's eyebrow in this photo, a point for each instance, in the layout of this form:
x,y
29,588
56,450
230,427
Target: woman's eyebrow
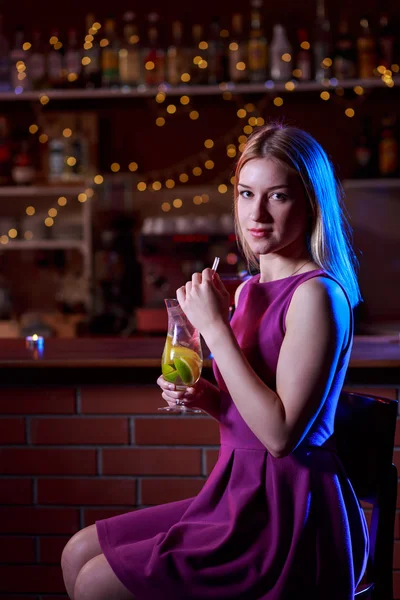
x,y
274,187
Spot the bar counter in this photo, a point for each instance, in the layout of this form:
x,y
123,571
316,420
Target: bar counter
x,y
137,360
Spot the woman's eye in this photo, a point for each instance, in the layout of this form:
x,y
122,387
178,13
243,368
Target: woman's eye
x,y
244,192
279,196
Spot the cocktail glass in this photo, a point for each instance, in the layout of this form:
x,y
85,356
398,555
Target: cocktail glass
x,y
182,359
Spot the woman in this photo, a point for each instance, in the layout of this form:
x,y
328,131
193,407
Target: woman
x,y
277,519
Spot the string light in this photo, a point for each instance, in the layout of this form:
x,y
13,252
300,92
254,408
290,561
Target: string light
x,y
194,115
165,206
232,180
197,171
289,86
177,203
171,109
89,192
185,100
71,161
325,95
33,128
86,60
197,200
160,97
286,57
4,239
156,186
141,186
349,112
115,167
160,122
203,45
13,233
183,178
30,210
260,121
52,212
241,113
49,222
82,197
278,101
305,45
98,179
209,143
222,188
206,198
43,138
44,99
227,95
250,107
170,184
62,201
248,129
185,77
26,46
209,164
67,132
28,235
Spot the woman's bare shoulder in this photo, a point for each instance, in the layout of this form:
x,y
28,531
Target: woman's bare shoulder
x,y
238,291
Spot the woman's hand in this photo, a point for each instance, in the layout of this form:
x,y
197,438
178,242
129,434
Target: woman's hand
x,y
205,300
192,396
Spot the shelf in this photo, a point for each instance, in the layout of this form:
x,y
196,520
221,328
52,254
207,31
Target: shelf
x,y
351,184
43,245
17,191
195,90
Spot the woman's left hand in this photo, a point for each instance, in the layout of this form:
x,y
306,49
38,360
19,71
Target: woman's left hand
x,y
205,300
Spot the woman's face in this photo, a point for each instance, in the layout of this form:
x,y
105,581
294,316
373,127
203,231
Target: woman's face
x,y
272,207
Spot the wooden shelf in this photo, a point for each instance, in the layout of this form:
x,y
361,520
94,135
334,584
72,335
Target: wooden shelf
x,y
380,183
196,90
30,191
44,245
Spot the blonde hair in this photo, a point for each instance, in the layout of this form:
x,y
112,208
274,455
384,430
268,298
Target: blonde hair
x,y
329,237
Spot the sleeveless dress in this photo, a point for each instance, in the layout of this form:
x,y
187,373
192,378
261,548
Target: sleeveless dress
x,y
262,528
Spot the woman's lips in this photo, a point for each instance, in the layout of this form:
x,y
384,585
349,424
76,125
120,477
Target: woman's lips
x,y
259,233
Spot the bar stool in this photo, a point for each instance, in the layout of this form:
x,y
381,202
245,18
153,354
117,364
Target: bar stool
x,y
364,430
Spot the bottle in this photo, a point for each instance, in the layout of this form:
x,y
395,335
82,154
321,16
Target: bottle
x,y
258,47
304,57
130,64
23,170
388,148
215,54
366,47
386,42
280,55
345,54
110,56
73,60
198,75
91,73
364,152
5,152
176,56
322,43
5,72
55,64
20,79
79,149
56,158
36,63
238,56
154,56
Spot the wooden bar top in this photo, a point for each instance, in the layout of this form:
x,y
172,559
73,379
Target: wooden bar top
x,y
125,353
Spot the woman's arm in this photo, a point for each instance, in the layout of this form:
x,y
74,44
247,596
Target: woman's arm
x,y
317,326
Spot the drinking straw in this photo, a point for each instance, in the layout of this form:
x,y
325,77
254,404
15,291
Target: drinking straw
x,y
215,263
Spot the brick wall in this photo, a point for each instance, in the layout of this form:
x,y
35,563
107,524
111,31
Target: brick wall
x,y
69,456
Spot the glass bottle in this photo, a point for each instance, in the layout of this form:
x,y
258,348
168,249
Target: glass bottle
x,y
198,76
386,41
55,64
303,57
73,60
91,73
36,63
176,56
257,47
154,55
20,79
280,55
345,54
215,54
109,55
130,64
322,43
388,148
238,55
367,51
5,151
364,151
5,72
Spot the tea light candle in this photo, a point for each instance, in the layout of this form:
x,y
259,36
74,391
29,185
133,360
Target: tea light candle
x,y
34,341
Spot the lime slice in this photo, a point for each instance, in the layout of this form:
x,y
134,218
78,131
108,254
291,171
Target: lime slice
x,y
188,370
169,373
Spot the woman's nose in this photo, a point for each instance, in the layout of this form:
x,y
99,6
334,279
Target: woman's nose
x,y
260,212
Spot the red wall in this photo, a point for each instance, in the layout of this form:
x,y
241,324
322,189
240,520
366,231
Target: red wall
x,y
71,456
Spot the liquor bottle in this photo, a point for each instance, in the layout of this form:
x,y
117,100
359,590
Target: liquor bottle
x,y
258,47
154,56
280,55
366,47
364,153
345,53
322,43
23,170
388,148
73,60
198,76
57,152
130,62
238,55
79,149
36,63
55,65
5,152
216,54
109,55
5,73
176,55
303,57
386,42
91,73
20,79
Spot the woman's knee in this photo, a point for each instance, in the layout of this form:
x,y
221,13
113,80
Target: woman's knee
x,y
82,547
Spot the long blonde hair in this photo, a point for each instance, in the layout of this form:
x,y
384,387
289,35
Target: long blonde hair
x,y
329,237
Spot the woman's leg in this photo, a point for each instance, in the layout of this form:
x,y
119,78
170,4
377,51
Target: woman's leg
x,y
97,581
80,549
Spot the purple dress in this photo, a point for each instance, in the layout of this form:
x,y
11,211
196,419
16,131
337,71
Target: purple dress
x,y
262,528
